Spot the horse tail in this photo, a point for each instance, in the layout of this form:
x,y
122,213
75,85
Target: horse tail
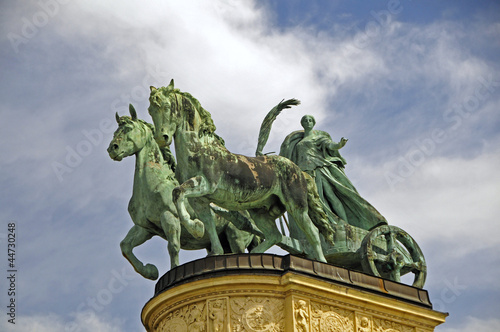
x,y
316,212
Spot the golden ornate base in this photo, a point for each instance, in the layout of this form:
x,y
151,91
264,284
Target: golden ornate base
x,y
269,293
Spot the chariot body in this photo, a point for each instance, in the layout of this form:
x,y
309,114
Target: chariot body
x,y
386,251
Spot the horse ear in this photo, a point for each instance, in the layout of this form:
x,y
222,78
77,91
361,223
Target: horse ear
x,y
152,88
117,117
171,85
132,111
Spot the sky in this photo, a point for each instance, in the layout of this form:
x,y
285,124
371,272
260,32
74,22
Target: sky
x,y
413,85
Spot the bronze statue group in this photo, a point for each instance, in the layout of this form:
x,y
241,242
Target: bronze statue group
x,y
228,203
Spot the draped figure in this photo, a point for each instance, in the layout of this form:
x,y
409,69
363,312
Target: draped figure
x,y
317,154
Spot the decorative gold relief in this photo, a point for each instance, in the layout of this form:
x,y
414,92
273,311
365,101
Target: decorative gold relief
x,y
363,323
258,319
217,315
384,325
190,318
196,318
257,314
175,325
294,304
301,313
332,322
327,318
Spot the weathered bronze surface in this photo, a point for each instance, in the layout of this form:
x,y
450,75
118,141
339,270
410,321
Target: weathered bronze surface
x,y
190,207
363,239
316,153
266,186
151,207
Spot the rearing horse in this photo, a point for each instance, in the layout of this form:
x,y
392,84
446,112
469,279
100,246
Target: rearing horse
x,y
151,207
266,186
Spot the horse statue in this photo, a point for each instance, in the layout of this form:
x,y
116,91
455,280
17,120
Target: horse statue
x,y
265,186
151,207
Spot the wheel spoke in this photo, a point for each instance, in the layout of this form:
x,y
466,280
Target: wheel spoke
x,y
401,255
391,242
380,257
395,274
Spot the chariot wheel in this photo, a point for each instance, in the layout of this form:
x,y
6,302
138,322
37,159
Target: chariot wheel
x,y
389,252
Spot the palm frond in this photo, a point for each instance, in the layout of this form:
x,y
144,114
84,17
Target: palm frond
x,y
268,121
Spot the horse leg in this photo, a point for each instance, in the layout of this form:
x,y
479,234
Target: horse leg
x,y
136,236
312,234
172,228
206,214
197,187
193,187
266,223
238,240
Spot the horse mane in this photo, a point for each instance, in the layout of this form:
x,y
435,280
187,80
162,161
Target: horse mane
x,y
128,120
207,126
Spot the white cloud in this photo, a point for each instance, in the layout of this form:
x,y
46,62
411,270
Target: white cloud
x,y
442,198
237,64
234,65
55,323
474,324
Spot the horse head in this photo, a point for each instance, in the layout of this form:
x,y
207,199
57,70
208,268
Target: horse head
x,y
173,110
162,106
130,137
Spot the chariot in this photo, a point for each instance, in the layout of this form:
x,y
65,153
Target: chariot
x,y
385,251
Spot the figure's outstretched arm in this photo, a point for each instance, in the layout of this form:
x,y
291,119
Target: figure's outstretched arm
x,y
339,145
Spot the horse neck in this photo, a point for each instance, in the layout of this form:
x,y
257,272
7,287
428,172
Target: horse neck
x,y
186,145
188,130
186,136
146,157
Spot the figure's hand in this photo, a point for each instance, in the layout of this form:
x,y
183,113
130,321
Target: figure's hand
x,y
343,141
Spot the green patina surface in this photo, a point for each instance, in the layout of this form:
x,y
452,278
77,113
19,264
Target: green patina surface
x,y
318,155
363,239
151,207
265,186
228,203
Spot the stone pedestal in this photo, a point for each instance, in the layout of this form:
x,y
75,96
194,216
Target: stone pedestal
x,y
263,292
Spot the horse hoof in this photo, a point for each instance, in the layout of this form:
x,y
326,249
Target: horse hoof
x,y
150,272
215,253
198,229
